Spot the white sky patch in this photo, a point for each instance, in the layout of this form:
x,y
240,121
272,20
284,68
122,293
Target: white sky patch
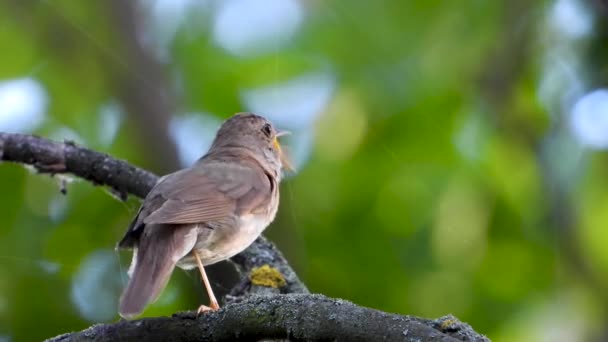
x,y
471,137
560,83
23,104
169,15
571,18
589,119
293,104
165,18
245,27
58,207
96,286
193,133
110,118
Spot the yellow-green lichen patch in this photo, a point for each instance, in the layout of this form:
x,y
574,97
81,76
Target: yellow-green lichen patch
x,y
267,276
448,324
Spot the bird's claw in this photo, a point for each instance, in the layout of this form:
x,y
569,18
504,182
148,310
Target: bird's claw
x,y
204,308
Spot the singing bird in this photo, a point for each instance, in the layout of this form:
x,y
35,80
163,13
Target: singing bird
x,y
206,213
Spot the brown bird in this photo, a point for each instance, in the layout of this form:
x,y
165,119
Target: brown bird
x,y
205,213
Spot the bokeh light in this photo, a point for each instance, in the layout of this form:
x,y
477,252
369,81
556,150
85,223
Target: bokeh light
x,y
22,105
589,119
245,27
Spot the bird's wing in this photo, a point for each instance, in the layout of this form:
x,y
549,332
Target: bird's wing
x,y
212,192
208,192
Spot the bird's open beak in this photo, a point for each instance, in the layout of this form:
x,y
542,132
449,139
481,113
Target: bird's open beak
x,y
285,162
282,133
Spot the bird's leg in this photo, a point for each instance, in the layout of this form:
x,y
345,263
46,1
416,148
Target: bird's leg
x,y
213,305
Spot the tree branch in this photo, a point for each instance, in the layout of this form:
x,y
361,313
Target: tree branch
x,y
52,157
295,317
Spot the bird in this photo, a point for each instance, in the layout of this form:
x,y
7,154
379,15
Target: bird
x,y
205,213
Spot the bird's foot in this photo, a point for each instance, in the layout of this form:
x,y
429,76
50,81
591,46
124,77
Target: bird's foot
x,y
204,308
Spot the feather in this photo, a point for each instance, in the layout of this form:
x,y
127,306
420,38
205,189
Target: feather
x,y
160,247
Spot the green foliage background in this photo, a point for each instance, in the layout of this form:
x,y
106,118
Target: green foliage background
x,y
440,180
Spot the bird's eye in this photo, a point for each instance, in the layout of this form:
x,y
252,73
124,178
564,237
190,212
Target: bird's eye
x,y
267,130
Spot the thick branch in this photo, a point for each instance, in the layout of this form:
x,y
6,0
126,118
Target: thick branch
x,y
100,169
297,317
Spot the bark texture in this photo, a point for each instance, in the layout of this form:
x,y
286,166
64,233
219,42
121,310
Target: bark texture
x,y
297,317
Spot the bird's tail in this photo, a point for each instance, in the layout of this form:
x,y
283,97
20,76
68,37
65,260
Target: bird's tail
x,y
152,265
